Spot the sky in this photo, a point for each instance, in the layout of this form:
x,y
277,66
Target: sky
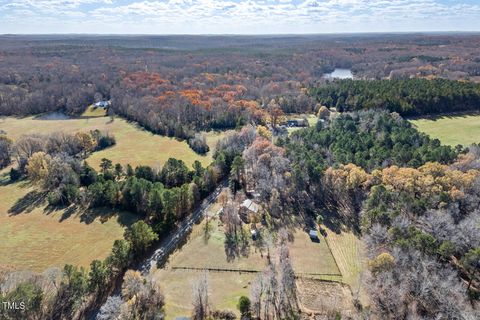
x,y
236,16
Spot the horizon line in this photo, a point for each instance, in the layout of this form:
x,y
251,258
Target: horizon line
x,y
246,34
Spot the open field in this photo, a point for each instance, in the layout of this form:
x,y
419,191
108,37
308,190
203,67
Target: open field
x,y
349,254
34,238
134,144
203,252
313,259
309,259
225,290
451,130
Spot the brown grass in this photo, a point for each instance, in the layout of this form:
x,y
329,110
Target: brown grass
x,y
134,144
225,290
324,298
313,258
349,254
93,111
35,239
227,287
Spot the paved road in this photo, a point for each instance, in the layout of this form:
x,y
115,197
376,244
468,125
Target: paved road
x,y
170,243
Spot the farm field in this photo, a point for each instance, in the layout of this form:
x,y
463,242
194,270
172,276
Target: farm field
x,y
34,238
325,298
451,130
199,252
349,254
134,144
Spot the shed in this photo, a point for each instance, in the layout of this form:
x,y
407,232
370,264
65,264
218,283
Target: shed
x,y
314,235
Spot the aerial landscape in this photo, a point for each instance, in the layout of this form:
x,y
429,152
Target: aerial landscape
x,y
154,167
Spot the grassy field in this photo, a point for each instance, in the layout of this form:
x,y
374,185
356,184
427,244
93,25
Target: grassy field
x,y
134,145
452,130
93,112
313,259
349,255
209,252
225,290
34,238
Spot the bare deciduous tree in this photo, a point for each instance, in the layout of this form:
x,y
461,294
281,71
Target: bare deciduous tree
x,y
201,304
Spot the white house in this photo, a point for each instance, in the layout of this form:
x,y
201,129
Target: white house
x,y
250,205
102,104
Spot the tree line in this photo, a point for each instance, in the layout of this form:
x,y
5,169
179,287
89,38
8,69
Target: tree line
x,y
408,97
78,145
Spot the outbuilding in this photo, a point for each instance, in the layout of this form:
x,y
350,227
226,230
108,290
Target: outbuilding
x,y
314,235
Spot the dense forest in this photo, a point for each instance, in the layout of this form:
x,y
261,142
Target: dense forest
x,y
371,140
409,97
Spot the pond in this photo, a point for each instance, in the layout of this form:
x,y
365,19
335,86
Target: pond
x,y
339,73
52,116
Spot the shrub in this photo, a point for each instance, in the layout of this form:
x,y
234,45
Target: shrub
x,y
199,144
244,305
383,262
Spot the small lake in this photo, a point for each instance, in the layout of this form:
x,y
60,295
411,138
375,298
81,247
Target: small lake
x,y
339,74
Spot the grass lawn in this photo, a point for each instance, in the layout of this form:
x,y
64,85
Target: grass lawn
x,y
34,239
134,145
225,290
312,258
226,287
200,252
451,130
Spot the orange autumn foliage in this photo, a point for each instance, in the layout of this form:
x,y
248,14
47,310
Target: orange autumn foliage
x,y
428,180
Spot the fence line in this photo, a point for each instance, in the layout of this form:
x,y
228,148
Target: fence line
x,y
297,274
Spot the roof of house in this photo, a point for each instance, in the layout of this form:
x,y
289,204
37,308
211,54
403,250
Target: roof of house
x,y
102,103
250,205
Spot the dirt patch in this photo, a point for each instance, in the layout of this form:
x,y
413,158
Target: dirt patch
x,y
323,298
